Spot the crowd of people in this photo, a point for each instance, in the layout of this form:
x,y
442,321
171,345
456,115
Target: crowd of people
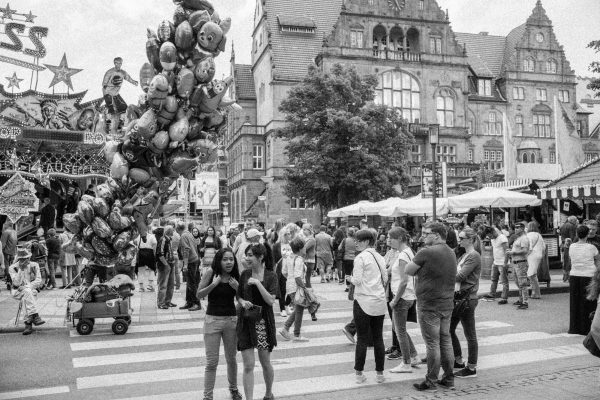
x,y
431,278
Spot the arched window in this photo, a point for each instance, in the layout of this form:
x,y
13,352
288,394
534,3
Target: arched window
x,y
551,66
532,158
445,108
412,40
525,158
379,41
396,39
400,90
529,65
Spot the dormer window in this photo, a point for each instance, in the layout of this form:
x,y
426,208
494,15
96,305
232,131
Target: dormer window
x,y
296,24
484,87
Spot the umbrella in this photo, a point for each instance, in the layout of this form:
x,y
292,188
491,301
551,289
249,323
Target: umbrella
x,y
492,197
375,208
352,209
415,206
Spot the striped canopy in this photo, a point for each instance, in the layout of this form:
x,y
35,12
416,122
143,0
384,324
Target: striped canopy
x,y
569,192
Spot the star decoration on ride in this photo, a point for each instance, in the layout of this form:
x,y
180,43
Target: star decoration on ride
x,y
62,72
7,12
29,17
13,81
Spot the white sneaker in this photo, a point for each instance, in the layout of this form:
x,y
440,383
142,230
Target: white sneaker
x,y
360,379
380,378
402,368
300,339
286,334
283,313
415,361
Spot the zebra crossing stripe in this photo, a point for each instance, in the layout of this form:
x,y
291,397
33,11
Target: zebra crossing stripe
x,y
21,394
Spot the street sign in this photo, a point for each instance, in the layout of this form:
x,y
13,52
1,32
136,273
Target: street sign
x,y
427,181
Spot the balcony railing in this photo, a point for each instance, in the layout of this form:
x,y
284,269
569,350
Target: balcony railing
x,y
251,130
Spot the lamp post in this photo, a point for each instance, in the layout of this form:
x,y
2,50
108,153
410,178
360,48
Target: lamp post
x,y
268,181
434,136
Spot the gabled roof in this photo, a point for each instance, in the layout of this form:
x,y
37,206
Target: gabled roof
x,y
244,82
293,53
510,54
485,52
592,165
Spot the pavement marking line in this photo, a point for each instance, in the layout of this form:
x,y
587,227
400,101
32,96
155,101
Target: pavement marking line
x,y
330,383
195,338
21,394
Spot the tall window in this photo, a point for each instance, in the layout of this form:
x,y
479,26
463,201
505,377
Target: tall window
x,y
493,158
579,128
552,157
493,126
421,4
445,108
519,123
541,94
551,66
356,38
541,125
258,151
416,153
519,93
435,45
446,153
400,90
484,87
563,96
529,65
299,204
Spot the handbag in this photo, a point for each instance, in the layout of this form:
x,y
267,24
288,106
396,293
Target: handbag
x,y
461,301
253,314
411,316
351,292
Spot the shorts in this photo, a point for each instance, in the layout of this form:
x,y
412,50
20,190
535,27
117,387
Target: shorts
x,y
323,264
348,266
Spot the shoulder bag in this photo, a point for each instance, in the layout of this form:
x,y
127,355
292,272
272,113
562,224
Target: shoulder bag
x,y
253,314
351,290
411,315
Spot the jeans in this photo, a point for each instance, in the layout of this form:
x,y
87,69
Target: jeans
x,y
52,266
177,273
399,315
395,342
166,283
295,318
215,328
145,274
435,329
366,323
193,279
500,271
467,320
521,279
91,271
310,267
68,274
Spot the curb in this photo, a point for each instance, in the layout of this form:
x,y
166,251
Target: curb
x,y
19,328
544,290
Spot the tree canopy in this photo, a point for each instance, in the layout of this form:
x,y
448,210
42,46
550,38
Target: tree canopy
x,y
595,68
342,147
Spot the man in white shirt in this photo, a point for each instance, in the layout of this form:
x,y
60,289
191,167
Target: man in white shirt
x,y
518,254
500,267
253,236
146,263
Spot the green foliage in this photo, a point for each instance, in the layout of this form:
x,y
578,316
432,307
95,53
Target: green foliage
x,y
343,148
595,68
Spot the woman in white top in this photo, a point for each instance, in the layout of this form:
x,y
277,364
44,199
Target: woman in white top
x,y
146,262
585,261
369,278
537,247
402,288
294,269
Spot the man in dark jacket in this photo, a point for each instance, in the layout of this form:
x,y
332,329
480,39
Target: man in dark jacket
x,y
47,215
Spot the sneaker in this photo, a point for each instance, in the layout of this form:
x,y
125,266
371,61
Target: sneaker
x,y
196,307
389,350
163,306
235,394
448,383
172,304
466,373
37,320
394,355
523,306
28,330
503,301
299,339
322,280
347,289
489,296
142,289
360,379
414,361
518,303
349,336
150,288
459,365
402,368
425,385
283,313
286,334
379,378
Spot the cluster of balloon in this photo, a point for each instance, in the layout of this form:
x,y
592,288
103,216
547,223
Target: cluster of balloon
x,y
170,133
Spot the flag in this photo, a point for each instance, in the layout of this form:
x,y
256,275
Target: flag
x,y
569,151
510,150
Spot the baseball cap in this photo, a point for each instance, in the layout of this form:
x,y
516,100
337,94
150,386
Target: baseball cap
x,y
519,224
253,233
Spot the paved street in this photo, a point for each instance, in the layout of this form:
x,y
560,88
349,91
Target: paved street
x,y
523,354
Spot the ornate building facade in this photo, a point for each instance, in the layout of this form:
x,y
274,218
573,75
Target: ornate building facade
x,y
493,96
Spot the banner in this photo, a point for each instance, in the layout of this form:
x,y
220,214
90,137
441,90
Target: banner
x,y
17,198
205,189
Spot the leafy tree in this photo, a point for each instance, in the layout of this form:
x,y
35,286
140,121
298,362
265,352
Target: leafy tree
x,y
595,68
342,146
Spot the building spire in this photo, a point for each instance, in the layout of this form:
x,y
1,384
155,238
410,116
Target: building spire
x,y
538,15
232,59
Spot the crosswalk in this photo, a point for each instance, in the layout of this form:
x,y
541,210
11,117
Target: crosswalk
x,y
165,360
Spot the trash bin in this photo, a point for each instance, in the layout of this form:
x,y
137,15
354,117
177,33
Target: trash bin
x,y
487,260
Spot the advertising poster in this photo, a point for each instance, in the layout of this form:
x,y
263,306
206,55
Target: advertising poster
x,y
205,189
17,198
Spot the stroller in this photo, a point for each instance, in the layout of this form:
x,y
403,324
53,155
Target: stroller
x,y
102,300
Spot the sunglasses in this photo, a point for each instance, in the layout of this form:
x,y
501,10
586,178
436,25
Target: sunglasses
x,y
462,237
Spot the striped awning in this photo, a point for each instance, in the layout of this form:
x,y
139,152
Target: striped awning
x,y
569,192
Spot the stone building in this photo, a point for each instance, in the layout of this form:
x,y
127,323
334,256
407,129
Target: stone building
x,y
493,96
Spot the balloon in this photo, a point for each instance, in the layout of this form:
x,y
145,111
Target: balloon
x,y
168,56
197,19
198,5
161,140
100,207
180,15
88,199
146,74
181,162
146,125
85,250
103,191
196,129
205,70
116,221
158,90
122,240
152,50
85,212
225,25
214,94
119,167
179,130
184,36
168,111
72,223
106,260
101,228
87,234
116,188
166,31
138,175
110,149
185,83
211,37
127,255
102,247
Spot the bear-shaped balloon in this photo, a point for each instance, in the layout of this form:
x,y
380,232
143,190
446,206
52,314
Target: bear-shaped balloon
x,y
147,124
158,90
184,36
152,50
185,83
197,19
168,56
211,39
168,111
198,5
166,31
205,70
213,95
146,74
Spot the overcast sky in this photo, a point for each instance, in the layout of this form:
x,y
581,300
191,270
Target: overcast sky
x,y
93,32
